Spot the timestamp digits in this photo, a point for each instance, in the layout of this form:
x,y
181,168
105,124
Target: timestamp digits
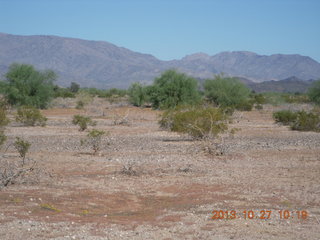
x,y
259,214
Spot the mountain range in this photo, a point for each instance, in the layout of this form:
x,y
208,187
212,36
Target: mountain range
x,y
288,85
105,65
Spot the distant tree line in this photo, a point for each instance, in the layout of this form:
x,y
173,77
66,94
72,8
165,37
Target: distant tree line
x,y
25,85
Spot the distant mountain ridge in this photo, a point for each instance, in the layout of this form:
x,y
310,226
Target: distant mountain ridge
x,y
288,85
105,65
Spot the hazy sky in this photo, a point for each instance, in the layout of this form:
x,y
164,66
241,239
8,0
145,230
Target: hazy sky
x,y
171,29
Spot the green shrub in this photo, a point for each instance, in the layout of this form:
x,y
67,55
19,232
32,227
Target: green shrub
x,y
258,98
4,103
244,106
63,92
306,122
172,89
198,122
80,104
3,118
301,120
83,122
3,87
286,117
74,87
113,92
137,94
84,97
94,139
296,98
22,147
30,116
274,98
277,98
314,92
3,137
258,106
3,122
227,92
27,86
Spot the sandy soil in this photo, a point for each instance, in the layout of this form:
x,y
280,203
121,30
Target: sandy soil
x,y
147,183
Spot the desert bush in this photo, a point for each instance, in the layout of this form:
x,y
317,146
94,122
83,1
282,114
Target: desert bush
x,y
286,117
83,122
74,87
27,86
258,106
80,104
296,98
94,139
62,92
316,110
314,92
3,137
277,98
3,87
244,105
3,117
137,94
3,122
84,98
301,120
274,98
258,98
130,170
12,169
22,147
4,105
198,122
30,116
227,92
306,122
172,89
121,119
113,92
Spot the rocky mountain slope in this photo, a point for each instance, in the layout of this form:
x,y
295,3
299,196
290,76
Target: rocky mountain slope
x,y
104,65
288,85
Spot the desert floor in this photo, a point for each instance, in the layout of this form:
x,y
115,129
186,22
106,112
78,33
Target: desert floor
x,y
148,183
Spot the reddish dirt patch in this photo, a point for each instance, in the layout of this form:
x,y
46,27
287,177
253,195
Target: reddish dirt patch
x,y
86,205
61,112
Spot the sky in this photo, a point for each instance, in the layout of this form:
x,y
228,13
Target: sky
x,y
171,29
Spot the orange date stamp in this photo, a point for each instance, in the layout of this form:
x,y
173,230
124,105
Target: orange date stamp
x,y
259,214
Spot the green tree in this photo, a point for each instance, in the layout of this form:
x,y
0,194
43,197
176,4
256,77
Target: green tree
x,y
172,89
28,86
226,91
314,92
74,87
137,94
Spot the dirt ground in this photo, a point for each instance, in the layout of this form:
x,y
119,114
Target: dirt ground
x,y
147,183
